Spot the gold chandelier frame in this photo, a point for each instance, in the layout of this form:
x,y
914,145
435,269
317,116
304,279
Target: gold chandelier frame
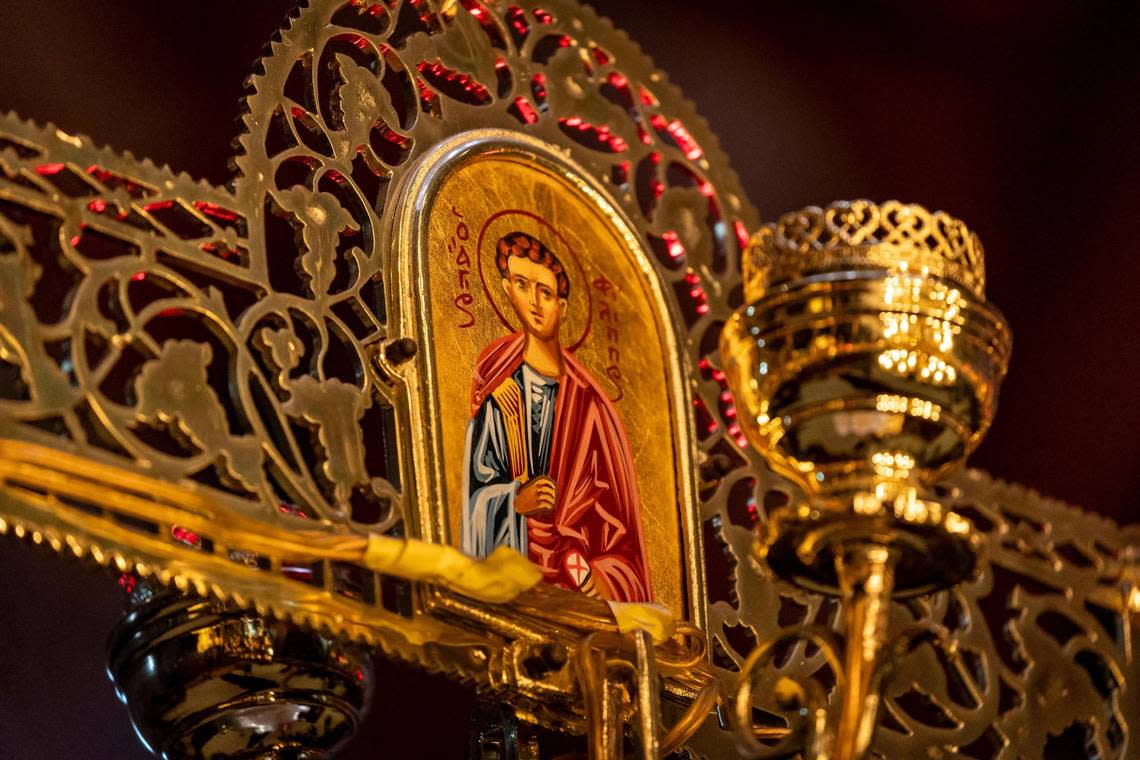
x,y
200,456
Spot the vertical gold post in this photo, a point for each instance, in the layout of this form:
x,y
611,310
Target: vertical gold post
x,y
601,699
866,580
648,697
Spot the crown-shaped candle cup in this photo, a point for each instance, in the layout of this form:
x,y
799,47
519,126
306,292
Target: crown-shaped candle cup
x,y
866,363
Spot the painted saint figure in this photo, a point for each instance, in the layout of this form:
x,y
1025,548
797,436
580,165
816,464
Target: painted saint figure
x,y
547,466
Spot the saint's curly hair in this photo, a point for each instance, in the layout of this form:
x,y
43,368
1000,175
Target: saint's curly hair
x,y
528,247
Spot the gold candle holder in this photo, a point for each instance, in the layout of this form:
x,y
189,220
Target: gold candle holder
x,y
866,363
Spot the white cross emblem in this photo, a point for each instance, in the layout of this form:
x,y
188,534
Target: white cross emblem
x,y
578,568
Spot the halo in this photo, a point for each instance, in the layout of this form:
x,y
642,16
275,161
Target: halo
x,y
576,325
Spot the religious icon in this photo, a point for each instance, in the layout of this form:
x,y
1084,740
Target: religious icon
x,y
547,465
553,413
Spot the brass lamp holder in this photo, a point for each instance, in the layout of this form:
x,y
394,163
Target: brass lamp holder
x,y
866,362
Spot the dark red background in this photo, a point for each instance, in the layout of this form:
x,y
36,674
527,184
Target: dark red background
x,y
1022,119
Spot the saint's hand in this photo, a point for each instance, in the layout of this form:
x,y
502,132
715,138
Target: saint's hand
x,y
536,497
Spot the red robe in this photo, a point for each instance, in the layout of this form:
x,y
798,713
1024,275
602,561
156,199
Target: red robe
x,y
597,510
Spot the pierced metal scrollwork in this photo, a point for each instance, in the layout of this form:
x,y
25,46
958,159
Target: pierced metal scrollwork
x,y
228,337
188,366
1038,647
233,343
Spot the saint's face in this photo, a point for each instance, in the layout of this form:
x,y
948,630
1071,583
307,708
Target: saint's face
x,y
533,291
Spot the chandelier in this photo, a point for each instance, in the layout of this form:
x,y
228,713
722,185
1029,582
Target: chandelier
x,y
484,361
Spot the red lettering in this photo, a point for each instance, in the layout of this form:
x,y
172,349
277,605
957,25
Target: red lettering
x,y
462,301
610,317
614,374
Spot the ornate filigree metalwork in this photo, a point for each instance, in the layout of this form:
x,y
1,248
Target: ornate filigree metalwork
x,y
1041,647
199,353
188,368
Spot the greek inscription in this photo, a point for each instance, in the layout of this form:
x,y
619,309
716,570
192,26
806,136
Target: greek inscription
x,y
456,246
608,315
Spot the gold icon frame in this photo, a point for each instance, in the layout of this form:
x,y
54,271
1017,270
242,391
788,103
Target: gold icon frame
x,y
420,378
